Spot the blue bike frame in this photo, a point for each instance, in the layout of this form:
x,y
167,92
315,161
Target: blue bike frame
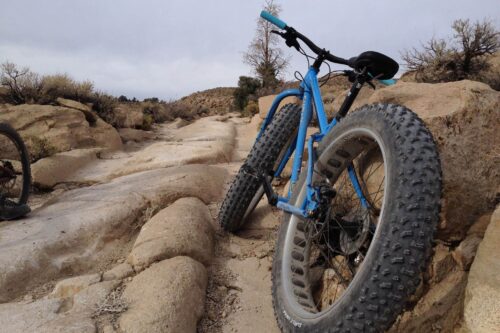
x,y
310,94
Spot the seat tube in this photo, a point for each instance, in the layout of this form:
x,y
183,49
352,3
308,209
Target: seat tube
x,y
305,118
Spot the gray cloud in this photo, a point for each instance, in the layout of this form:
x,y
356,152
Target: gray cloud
x,y
171,48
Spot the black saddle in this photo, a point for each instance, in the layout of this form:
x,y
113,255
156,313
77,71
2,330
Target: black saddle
x,y
378,65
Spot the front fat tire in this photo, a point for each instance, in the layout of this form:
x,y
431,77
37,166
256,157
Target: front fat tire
x,y
262,158
392,268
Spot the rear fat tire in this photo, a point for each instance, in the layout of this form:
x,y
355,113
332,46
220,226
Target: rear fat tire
x,y
8,131
262,158
396,259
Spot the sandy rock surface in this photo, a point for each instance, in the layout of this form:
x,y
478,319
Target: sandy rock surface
x,y
90,115
167,297
41,316
177,123
119,272
266,102
206,141
65,264
439,309
64,128
70,287
482,295
98,219
136,135
48,172
182,229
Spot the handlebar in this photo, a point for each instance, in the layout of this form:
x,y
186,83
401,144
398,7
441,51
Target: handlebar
x,y
292,33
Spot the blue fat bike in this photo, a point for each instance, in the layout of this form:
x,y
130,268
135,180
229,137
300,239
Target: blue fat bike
x,y
358,221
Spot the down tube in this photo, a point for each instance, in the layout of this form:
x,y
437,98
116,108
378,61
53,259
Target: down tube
x,y
312,81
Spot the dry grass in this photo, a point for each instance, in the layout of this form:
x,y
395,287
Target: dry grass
x,y
24,86
113,304
40,147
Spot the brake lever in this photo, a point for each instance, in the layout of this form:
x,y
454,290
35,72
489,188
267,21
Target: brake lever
x,y
289,37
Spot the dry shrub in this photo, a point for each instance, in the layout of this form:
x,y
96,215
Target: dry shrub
x,y
39,148
168,111
251,109
112,305
154,111
62,85
147,122
23,85
464,56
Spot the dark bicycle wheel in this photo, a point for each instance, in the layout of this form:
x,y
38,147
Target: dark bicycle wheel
x,y
246,189
353,268
15,173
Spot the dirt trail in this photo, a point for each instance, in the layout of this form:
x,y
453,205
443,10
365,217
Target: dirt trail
x,y
239,291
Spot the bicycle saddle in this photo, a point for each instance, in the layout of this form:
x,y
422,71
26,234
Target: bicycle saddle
x,y
376,63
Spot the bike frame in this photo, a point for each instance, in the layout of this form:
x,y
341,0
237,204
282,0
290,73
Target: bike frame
x,y
310,94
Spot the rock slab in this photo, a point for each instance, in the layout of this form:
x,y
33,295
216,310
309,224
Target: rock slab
x,y
482,294
50,241
63,128
181,229
168,297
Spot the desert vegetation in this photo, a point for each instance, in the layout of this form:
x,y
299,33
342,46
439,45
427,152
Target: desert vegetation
x,y
465,55
24,86
268,62
264,54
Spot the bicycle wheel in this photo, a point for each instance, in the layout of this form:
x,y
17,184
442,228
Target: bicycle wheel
x,y
246,189
353,269
15,173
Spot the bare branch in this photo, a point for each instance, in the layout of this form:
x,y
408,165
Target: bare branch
x,y
463,56
264,55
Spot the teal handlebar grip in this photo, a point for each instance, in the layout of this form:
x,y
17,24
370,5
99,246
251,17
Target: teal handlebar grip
x,y
274,20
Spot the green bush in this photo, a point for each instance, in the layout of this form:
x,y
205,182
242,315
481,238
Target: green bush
x,y
152,100
247,86
147,122
123,99
104,105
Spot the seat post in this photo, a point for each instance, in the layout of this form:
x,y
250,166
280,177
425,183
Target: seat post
x,y
351,96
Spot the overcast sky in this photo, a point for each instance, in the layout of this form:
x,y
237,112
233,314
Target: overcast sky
x,y
169,48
